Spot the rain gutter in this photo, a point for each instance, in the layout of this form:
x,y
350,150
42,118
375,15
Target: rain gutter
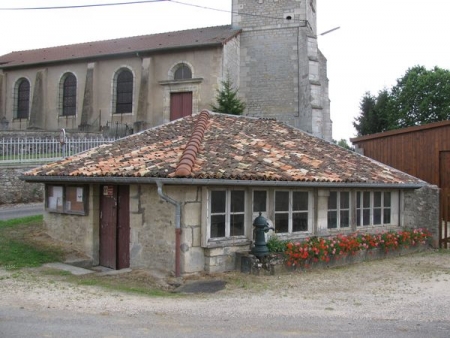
x,y
177,205
209,182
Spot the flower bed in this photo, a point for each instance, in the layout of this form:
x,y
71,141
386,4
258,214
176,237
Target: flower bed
x,y
318,249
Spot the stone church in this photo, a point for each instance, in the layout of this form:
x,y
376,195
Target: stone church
x,y
269,52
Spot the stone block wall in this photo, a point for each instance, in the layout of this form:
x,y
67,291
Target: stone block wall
x,y
13,190
421,210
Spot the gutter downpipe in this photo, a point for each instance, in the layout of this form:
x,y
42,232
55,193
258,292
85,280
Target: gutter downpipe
x,y
177,205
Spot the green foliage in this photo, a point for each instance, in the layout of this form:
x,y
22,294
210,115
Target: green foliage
x,y
274,244
344,144
374,115
227,100
419,97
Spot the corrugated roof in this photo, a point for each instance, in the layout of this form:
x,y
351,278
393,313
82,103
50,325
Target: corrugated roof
x,y
145,43
228,148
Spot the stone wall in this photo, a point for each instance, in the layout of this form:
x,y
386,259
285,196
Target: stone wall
x,y
421,210
279,53
13,190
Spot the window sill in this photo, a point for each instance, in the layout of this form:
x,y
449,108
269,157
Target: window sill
x,y
174,82
226,242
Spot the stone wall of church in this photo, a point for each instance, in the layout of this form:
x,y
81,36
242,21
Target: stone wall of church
x,y
231,61
268,62
282,75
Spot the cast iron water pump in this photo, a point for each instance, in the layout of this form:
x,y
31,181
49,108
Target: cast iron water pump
x,y
261,225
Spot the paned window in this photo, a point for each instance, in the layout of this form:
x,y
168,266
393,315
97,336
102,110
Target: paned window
x,y
259,201
338,209
66,199
373,208
124,92
227,213
69,95
291,211
22,101
183,72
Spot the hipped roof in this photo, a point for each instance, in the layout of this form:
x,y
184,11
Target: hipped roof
x,y
192,38
217,147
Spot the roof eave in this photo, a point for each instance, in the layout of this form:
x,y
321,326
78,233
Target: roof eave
x,y
122,54
215,182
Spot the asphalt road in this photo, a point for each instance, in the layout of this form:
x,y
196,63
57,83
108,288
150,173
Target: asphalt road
x,y
20,322
20,210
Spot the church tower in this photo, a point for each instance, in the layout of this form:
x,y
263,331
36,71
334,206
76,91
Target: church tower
x,y
282,72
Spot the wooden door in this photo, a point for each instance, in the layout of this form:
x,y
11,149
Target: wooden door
x,y
114,227
444,184
444,169
180,105
108,226
123,227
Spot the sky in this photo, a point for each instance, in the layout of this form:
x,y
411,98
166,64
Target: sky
x,y
376,43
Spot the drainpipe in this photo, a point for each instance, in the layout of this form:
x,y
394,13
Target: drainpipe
x,y
177,205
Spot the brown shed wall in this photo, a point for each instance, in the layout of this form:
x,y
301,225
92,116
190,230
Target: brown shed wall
x,y
414,150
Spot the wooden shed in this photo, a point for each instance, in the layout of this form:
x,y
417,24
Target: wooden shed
x,y
422,151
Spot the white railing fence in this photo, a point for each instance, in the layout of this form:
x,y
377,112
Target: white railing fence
x,y
29,150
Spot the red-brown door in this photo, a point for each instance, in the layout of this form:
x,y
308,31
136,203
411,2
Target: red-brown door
x,y
114,227
180,105
123,227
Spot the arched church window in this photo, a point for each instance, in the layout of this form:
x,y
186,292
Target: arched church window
x,y
124,91
22,101
183,72
68,92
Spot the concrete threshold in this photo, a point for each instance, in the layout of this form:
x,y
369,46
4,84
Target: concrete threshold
x,y
74,270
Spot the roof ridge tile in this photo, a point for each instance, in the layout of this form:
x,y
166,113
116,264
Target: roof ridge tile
x,y
187,160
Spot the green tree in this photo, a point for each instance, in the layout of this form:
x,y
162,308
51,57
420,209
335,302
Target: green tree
x,y
344,144
227,100
421,96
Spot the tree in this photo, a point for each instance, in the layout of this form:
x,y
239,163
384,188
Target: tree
x,y
374,115
419,97
227,100
344,144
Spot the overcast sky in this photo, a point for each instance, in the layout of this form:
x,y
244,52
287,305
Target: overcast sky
x,y
377,42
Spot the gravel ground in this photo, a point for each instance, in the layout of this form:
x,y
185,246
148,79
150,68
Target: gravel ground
x,y
414,288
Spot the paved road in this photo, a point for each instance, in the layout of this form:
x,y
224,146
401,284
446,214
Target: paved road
x,y
20,210
20,322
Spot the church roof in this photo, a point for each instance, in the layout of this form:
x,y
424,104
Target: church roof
x,y
193,38
211,146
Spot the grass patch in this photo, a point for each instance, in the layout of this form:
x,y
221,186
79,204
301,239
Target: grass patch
x,y
18,251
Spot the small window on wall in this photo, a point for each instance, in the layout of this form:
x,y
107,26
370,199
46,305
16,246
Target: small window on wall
x,y
259,202
373,208
227,211
67,199
291,211
339,209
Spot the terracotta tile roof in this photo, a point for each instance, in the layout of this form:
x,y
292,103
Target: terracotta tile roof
x,y
145,43
228,148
